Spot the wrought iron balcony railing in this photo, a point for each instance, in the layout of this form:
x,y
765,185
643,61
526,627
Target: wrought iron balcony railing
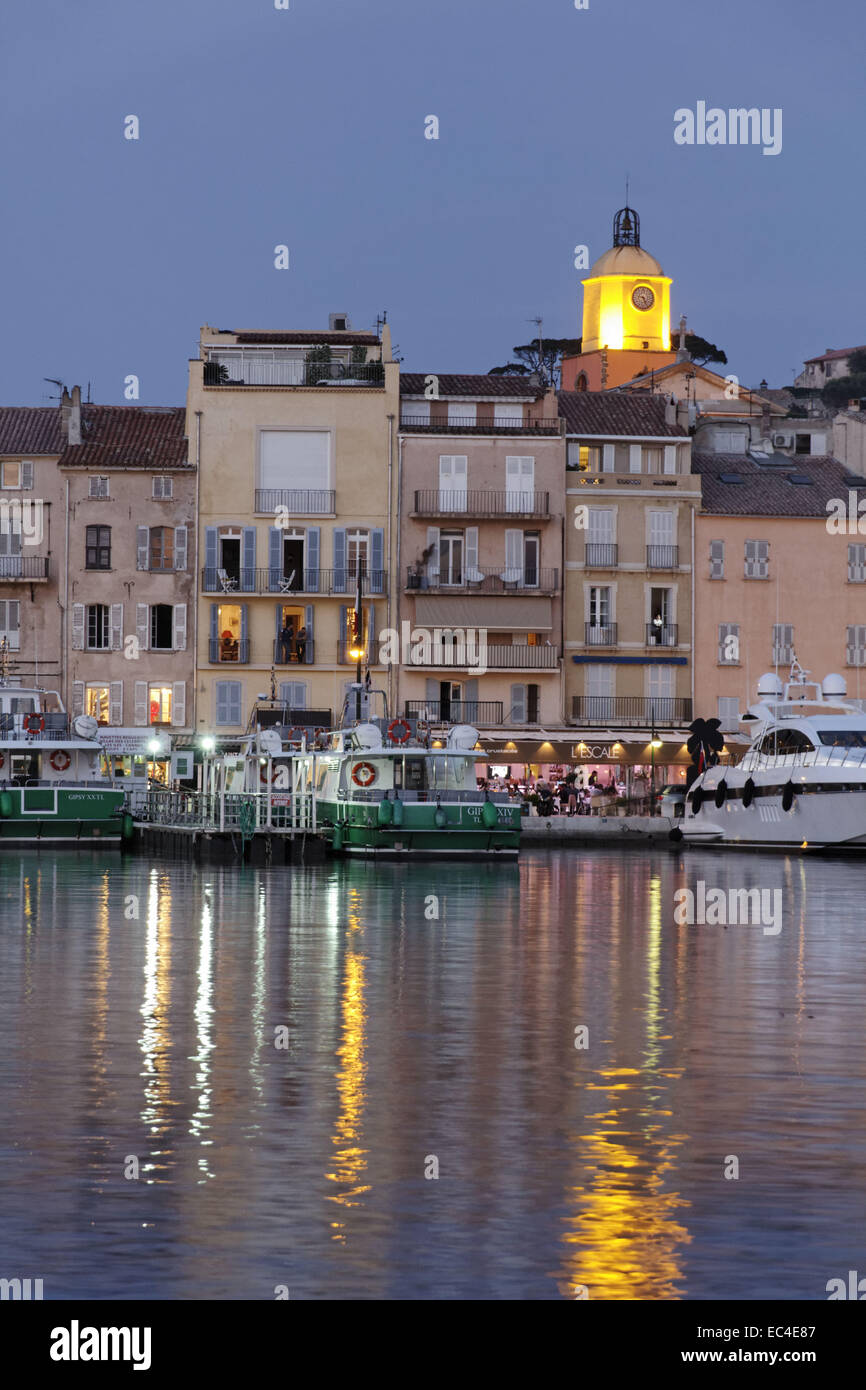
x,y
482,712
600,634
662,557
26,567
632,710
471,424
481,502
661,634
296,501
601,555
498,579
230,653
297,581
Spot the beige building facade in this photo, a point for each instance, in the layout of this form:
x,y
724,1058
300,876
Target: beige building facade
x,y
296,435
480,551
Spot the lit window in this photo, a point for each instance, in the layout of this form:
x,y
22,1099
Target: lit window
x,y
96,703
159,704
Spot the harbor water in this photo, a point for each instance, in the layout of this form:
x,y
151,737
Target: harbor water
x,y
420,1080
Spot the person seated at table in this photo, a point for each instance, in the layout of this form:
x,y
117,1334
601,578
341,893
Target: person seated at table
x,y
229,650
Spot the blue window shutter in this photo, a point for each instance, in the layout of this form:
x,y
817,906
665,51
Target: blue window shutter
x,y
470,701
279,617
222,701
344,629
377,564
235,689
339,560
299,695
248,559
518,704
308,624
245,628
312,576
211,551
275,558
214,625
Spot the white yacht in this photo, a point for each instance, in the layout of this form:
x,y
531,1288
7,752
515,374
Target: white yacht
x,y
802,783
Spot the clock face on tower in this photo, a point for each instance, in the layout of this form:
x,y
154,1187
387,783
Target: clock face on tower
x,y
642,297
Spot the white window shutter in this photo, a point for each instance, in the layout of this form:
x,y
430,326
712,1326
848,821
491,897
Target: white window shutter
x,y
634,458
77,698
141,702
78,627
518,704
178,703
115,702
142,626
717,559
472,572
142,548
180,534
670,464
116,626
178,640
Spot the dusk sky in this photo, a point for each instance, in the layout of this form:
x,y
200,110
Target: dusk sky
x,y
260,127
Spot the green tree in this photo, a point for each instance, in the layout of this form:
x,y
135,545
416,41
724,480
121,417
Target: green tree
x,y
841,389
857,363
543,357
703,352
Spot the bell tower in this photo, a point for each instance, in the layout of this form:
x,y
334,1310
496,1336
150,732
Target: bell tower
x,y
626,314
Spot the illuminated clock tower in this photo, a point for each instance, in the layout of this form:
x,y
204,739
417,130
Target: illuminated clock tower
x,y
626,314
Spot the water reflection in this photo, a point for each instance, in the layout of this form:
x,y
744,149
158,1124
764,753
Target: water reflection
x,y
429,1011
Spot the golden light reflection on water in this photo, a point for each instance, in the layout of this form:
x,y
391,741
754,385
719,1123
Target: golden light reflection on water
x,y
623,1237
155,1040
350,1159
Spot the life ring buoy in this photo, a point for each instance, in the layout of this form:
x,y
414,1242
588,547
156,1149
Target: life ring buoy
x,y
398,724
60,760
263,773
748,792
34,723
364,774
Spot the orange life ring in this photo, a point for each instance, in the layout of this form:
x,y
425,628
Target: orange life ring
x,y
263,774
60,760
393,725
364,774
34,723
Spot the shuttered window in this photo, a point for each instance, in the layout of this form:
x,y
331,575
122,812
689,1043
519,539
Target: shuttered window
x,y
717,559
783,644
757,560
855,645
857,564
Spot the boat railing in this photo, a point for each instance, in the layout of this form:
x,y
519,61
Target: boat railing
x,y
13,727
229,811
826,756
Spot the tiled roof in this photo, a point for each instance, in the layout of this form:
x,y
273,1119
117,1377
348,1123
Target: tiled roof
x,y
833,354
601,412
28,429
129,435
768,491
450,384
308,339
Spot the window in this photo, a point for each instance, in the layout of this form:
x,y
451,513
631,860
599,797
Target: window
x,y
598,683
783,644
508,415
228,702
97,703
757,560
729,644
524,704
294,460
159,704
10,550
462,413
357,551
98,548
582,383
161,627
584,457
717,559
10,623
451,557
519,483
228,632
855,645
97,627
16,475
857,564
729,712
730,442
98,487
804,444
659,685
162,548
654,459
452,482
163,488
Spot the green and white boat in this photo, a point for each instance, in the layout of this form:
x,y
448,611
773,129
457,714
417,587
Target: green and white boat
x,y
52,787
383,790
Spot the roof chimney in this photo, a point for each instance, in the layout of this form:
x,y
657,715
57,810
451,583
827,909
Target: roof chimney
x,y
671,411
70,416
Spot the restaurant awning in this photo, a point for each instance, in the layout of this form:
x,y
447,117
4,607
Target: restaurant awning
x,y
497,613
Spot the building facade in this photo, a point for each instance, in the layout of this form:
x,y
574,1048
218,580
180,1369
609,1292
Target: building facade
x,y
296,435
480,551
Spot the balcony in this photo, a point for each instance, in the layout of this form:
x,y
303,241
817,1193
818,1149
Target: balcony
x,y
228,653
296,654
661,634
632,710
662,557
600,634
502,581
238,582
296,501
249,367
13,728
275,715
481,503
15,569
483,712
601,555
471,654
470,424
